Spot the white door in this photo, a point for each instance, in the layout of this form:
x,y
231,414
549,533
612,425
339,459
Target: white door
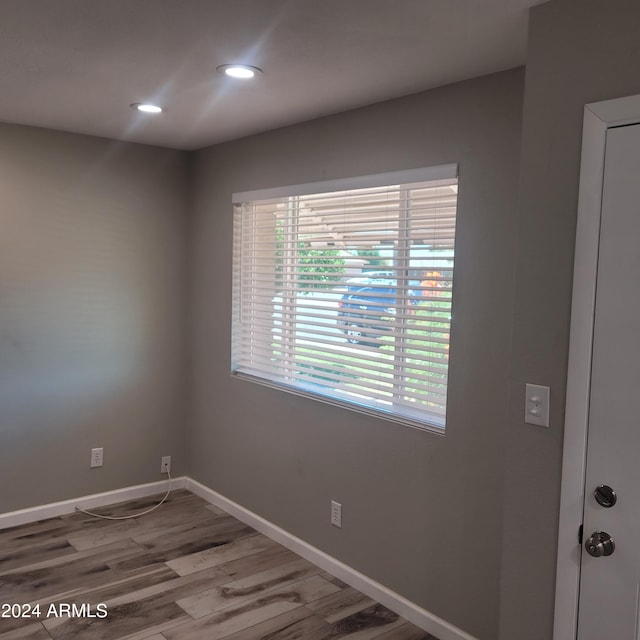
x,y
610,584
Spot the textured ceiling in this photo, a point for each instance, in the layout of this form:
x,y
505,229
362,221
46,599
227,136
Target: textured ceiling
x,y
77,65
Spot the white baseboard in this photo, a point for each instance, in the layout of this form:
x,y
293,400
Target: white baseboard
x,y
55,509
390,599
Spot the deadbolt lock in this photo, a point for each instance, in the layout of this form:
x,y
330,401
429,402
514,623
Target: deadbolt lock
x,y
605,496
600,544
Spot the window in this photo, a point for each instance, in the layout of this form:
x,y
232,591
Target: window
x,y
342,291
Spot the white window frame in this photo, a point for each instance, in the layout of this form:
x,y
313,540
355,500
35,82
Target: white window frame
x,y
422,419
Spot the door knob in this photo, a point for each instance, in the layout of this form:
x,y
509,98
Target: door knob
x,y
600,544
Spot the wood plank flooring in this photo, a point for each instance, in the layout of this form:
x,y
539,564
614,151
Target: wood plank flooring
x,y
187,571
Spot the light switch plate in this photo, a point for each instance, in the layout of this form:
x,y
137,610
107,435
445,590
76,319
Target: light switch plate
x,y
536,405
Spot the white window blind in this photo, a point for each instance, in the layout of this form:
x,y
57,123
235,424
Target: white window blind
x,y
342,291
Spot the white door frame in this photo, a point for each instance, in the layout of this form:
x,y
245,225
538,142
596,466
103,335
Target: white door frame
x,y
598,117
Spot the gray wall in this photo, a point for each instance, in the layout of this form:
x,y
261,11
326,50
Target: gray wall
x,y
580,51
421,513
92,313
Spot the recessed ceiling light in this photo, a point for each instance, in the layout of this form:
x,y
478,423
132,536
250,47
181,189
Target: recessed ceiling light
x,y
147,108
243,71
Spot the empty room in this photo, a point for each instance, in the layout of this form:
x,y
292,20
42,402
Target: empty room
x,y
314,319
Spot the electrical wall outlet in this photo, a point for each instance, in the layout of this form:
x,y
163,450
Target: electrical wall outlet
x,y
96,457
336,514
165,464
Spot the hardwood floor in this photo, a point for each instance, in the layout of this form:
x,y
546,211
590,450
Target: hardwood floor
x,y
187,571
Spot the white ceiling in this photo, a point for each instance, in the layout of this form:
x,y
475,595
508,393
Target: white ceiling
x,y
77,65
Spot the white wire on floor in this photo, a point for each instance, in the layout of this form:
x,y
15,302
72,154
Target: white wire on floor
x,y
134,515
